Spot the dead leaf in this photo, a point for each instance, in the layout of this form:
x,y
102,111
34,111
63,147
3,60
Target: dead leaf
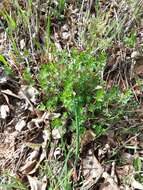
x,y
4,111
56,134
135,54
91,169
20,125
136,185
22,44
46,137
50,116
28,167
36,184
33,155
86,140
109,183
37,122
58,153
10,93
42,157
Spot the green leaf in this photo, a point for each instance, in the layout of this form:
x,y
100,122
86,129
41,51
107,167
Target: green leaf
x,y
99,129
100,94
2,59
137,163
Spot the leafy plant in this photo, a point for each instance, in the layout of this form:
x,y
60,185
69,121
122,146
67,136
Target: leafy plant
x,y
99,129
71,83
130,40
14,182
28,77
137,163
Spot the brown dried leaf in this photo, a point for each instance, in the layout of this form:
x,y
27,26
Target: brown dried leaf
x,y
7,141
109,183
42,157
10,93
4,111
136,185
91,170
28,93
28,167
20,125
56,134
35,184
86,140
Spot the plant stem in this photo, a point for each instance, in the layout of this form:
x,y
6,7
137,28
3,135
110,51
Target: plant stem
x,y
77,125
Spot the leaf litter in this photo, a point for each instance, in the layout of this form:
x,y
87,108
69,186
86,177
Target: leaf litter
x,y
27,141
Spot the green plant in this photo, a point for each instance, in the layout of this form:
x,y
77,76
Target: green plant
x,y
99,130
137,163
130,40
63,179
61,5
72,82
28,77
13,182
78,79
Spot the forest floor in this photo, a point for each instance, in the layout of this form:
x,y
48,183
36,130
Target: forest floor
x,y
71,95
